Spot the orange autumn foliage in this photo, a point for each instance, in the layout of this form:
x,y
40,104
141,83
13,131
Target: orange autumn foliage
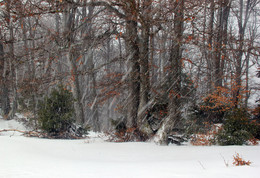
x,y
238,161
221,99
201,139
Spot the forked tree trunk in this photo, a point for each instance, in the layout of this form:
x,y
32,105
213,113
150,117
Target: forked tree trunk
x,y
174,112
73,54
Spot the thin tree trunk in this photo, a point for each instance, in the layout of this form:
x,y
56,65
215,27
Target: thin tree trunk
x,y
218,46
95,115
210,46
5,101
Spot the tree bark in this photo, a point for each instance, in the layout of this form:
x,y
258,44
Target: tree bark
x,y
12,62
133,57
73,55
221,40
144,68
174,112
5,101
242,24
210,46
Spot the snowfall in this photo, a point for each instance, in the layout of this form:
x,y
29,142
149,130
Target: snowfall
x,y
94,157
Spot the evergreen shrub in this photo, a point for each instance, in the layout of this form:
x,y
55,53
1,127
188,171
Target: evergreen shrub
x,y
237,128
256,119
55,114
200,120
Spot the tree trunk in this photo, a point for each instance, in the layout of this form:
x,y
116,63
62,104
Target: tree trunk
x,y
87,31
12,63
174,112
221,40
209,57
133,56
242,27
94,107
73,54
4,93
144,69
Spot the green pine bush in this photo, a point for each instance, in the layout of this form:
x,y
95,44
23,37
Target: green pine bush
x,y
237,129
55,114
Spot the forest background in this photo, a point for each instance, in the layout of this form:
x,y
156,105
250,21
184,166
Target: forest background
x,y
157,66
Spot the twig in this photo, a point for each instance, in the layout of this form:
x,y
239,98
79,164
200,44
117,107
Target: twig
x,y
226,163
201,165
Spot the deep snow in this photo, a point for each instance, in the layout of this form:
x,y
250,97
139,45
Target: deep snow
x,y
95,158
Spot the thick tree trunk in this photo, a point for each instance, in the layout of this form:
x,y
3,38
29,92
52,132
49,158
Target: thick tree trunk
x,y
134,73
76,90
133,59
144,69
221,40
73,55
174,112
87,32
12,63
29,63
242,23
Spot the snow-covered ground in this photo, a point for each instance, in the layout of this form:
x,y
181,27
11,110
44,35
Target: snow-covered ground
x,y
94,158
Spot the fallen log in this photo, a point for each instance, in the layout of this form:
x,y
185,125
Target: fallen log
x,y
43,135
25,133
12,130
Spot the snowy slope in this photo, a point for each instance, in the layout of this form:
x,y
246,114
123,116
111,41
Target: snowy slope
x,y
34,157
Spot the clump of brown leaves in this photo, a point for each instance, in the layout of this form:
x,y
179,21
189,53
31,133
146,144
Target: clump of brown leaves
x,y
238,161
201,139
208,138
253,141
128,135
